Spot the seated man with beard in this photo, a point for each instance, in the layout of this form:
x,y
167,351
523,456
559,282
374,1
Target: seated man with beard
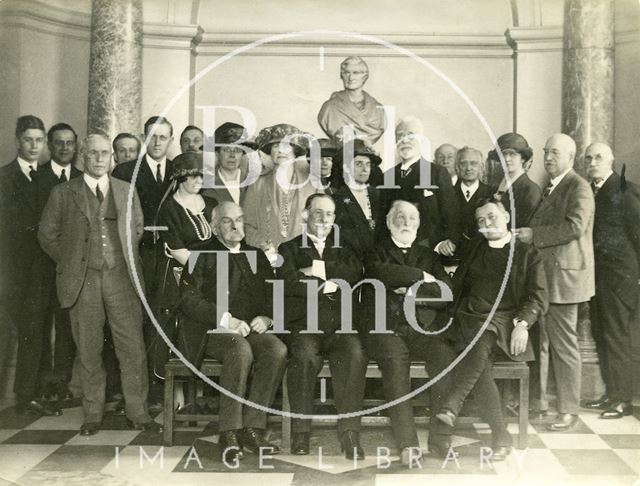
x,y
400,262
239,341
476,286
315,258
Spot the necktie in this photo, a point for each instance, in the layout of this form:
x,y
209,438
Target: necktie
x,y
158,175
595,187
405,172
99,194
547,191
468,195
63,176
32,173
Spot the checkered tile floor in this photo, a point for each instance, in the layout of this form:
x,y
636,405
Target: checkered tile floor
x,y
48,450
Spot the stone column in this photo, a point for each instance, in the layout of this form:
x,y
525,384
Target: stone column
x,y
587,83
587,116
115,67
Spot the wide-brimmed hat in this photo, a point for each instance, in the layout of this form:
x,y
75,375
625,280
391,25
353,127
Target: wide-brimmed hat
x,y
360,147
187,164
277,133
230,133
513,141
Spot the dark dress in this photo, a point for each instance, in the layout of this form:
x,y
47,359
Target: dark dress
x,y
184,230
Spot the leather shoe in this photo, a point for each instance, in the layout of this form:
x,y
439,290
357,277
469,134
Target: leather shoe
x,y
120,408
563,422
300,444
412,457
447,416
49,393
36,407
350,445
64,394
230,448
500,453
89,428
617,410
602,403
253,440
148,426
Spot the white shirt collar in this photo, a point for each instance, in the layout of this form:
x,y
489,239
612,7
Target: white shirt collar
x,y
454,180
556,180
407,164
153,165
502,242
25,166
402,246
57,169
472,189
603,180
103,182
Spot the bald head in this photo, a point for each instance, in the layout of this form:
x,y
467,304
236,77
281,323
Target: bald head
x,y
559,154
410,140
598,159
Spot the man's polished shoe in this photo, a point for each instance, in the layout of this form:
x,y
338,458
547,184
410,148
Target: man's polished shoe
x,y
500,453
230,448
602,403
447,416
120,408
89,428
617,410
253,440
300,443
350,445
63,392
148,426
49,393
563,422
36,407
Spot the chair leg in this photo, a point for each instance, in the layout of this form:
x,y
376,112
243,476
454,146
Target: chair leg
x,y
168,408
192,388
286,420
524,410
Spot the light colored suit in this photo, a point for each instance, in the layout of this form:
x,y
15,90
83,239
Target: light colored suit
x,y
96,275
64,233
562,227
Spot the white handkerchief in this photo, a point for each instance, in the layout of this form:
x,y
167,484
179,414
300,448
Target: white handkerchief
x,y
428,193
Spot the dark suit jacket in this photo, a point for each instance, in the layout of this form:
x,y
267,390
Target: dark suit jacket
x,y
65,228
526,197
353,224
340,262
468,209
221,193
149,191
562,227
199,300
439,214
616,238
526,286
388,264
47,180
20,253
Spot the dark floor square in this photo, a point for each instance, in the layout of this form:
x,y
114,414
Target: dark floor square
x,y
73,457
622,441
10,419
41,437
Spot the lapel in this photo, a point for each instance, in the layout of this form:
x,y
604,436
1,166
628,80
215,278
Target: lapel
x,y
148,178
375,201
394,252
549,201
79,193
611,185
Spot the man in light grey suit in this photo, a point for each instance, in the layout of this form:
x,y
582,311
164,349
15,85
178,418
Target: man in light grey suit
x,y
561,228
88,231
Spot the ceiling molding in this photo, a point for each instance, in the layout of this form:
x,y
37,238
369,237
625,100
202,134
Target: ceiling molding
x,y
535,39
424,45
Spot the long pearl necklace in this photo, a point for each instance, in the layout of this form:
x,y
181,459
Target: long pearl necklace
x,y
200,225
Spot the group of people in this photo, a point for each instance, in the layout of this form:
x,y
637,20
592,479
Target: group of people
x,y
258,276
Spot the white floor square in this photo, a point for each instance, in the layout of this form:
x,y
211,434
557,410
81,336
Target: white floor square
x,y
16,460
573,441
105,437
71,419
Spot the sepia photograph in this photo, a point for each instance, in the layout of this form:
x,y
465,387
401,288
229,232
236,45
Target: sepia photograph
x,y
320,242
